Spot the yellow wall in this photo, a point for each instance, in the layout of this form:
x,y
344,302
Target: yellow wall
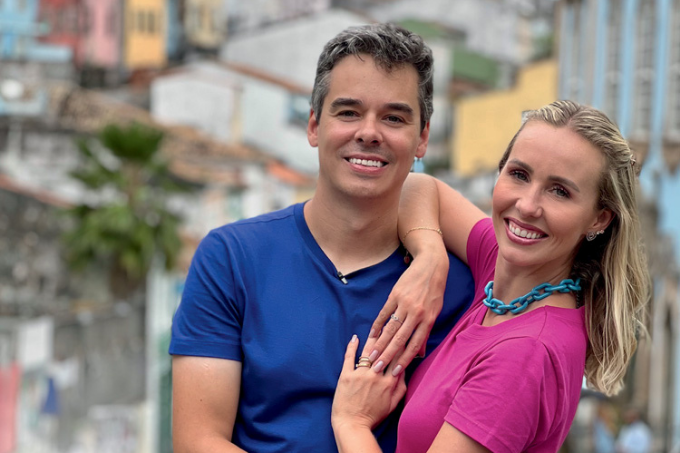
x,y
145,27
203,22
484,125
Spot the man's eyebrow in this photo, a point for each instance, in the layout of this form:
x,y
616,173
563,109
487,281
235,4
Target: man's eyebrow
x,y
351,102
345,102
400,107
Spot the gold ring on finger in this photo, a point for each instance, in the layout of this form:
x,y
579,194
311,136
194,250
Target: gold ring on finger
x,y
363,364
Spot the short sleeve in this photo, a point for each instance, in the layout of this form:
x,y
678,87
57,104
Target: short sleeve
x,y
209,317
508,397
482,250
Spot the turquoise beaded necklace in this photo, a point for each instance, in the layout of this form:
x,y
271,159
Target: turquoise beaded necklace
x,y
539,292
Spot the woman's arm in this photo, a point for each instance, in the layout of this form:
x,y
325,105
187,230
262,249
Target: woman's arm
x,y
426,205
362,400
430,203
449,439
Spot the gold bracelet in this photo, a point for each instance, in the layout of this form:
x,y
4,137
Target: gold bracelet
x,y
438,230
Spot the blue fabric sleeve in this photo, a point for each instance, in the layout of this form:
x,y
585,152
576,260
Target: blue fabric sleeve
x,y
209,318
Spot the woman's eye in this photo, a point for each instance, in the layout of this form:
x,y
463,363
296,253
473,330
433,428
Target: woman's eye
x,y
560,192
519,175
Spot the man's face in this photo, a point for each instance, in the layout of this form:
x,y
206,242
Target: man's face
x,y
369,129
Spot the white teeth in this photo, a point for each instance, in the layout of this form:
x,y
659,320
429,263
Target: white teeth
x,y
366,163
523,233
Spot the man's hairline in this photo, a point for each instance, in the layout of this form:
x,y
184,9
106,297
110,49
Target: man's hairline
x,y
385,68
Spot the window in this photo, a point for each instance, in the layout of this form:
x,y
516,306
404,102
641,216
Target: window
x,y
574,82
141,22
298,109
86,19
613,64
151,17
193,19
111,19
673,106
644,70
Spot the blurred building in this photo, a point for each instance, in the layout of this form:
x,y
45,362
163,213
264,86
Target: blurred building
x,y
239,105
92,29
623,56
144,34
205,23
290,51
486,123
25,62
250,16
174,30
107,365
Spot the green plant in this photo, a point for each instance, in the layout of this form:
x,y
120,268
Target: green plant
x,y
129,223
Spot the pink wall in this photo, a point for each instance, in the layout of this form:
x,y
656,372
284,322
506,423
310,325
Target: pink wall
x,y
101,45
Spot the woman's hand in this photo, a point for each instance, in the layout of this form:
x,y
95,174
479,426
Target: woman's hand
x,y
364,398
416,300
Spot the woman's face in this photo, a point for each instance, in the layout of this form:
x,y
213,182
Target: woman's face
x,y
545,199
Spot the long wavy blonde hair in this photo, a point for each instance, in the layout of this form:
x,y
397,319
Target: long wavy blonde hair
x,y
613,267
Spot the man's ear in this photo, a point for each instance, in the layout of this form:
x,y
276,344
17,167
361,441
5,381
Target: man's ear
x,y
424,139
312,129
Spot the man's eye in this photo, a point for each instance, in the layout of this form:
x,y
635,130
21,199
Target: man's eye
x,y
394,119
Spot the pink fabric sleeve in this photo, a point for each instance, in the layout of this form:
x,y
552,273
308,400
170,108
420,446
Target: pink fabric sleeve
x,y
482,249
508,396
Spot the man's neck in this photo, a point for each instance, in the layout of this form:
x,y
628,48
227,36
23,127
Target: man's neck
x,y
353,234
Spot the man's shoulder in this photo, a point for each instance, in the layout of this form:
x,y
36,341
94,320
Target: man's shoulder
x,y
271,221
459,272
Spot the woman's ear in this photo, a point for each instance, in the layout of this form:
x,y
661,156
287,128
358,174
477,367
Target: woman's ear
x,y
603,220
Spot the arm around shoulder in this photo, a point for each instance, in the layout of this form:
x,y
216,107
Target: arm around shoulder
x,y
205,394
428,202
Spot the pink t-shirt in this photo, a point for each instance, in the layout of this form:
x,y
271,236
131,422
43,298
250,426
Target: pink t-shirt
x,y
513,387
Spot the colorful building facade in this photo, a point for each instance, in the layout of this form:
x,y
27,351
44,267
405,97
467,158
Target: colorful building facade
x,y
102,34
205,23
623,56
485,124
66,21
144,34
19,28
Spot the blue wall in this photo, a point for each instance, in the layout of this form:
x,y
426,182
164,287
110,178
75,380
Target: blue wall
x,y
657,183
18,29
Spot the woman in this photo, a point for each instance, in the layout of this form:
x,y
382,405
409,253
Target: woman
x,y
563,244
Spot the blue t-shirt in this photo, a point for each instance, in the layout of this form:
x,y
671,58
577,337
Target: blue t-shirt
x,y
261,291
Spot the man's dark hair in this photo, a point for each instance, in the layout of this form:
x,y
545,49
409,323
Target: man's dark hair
x,y
390,46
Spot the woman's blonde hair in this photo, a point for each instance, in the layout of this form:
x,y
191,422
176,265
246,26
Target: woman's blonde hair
x,y
613,267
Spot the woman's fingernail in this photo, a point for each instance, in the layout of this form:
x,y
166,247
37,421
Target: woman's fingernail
x,y
371,334
378,367
374,355
397,369
354,338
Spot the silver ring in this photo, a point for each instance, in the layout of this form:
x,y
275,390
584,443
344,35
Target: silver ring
x,y
394,317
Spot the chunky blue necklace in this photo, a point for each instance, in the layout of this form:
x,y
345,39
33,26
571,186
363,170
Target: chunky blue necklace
x,y
539,292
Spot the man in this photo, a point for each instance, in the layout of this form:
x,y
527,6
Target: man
x,y
271,302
